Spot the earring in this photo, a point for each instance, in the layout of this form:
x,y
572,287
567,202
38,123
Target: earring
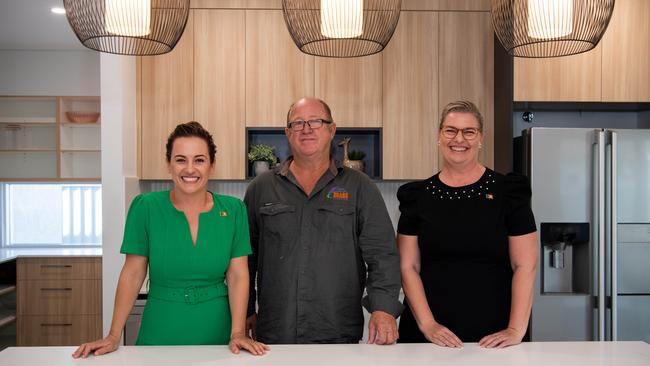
x,y
480,145
438,142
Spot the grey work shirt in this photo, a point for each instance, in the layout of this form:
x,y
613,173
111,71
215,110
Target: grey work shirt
x,y
310,255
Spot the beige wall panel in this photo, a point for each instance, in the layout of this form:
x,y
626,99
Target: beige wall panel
x,y
167,100
219,94
236,4
470,5
466,70
410,98
626,51
352,88
574,78
277,73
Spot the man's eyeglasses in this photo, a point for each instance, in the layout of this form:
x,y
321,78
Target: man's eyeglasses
x,y
469,133
313,124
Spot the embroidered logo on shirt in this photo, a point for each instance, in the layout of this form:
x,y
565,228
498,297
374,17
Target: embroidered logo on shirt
x,y
338,193
489,196
223,213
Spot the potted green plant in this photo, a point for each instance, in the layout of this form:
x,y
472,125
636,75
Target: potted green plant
x,y
262,156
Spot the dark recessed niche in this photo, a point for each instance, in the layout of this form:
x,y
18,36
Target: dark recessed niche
x,y
367,140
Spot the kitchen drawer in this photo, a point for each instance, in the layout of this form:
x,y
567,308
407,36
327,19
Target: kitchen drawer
x,y
67,330
53,268
59,297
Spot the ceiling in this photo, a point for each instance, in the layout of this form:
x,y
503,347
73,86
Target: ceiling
x,y
30,25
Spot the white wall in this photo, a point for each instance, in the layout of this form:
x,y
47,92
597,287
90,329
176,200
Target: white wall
x,y
49,72
119,181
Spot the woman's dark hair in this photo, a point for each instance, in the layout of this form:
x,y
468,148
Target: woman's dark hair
x,y
191,129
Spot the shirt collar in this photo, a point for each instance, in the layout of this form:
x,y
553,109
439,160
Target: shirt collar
x,y
283,168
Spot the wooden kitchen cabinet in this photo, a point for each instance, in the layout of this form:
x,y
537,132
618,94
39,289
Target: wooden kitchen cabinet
x,y
59,301
219,86
277,73
616,70
352,88
410,98
626,51
466,68
166,99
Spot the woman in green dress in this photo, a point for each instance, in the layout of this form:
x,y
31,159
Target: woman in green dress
x,y
195,244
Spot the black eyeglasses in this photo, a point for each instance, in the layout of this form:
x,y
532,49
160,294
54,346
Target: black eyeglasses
x,y
313,124
469,133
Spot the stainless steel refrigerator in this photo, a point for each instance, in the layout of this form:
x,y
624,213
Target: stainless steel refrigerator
x,y
591,199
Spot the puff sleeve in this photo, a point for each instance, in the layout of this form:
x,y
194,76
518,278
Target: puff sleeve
x,y
519,214
408,224
136,229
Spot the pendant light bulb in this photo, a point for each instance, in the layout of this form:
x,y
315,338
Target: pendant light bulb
x,y
341,18
549,19
130,18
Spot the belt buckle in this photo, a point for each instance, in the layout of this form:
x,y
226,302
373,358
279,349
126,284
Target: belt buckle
x,y
189,294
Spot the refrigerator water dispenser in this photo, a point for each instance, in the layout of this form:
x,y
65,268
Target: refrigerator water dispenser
x,y
565,257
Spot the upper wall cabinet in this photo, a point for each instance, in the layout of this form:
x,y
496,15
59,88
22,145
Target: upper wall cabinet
x,y
277,73
167,99
410,98
219,93
466,68
626,51
615,71
352,89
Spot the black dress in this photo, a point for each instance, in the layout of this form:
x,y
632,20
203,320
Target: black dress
x,y
464,260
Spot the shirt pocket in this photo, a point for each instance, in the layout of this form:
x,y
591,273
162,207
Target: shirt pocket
x,y
338,223
279,224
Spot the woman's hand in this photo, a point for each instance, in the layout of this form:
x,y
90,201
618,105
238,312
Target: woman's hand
x,y
239,341
440,335
98,347
504,338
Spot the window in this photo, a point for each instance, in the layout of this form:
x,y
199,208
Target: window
x,y
51,214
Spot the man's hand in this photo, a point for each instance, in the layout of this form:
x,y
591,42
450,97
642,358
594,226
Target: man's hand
x,y
251,325
382,328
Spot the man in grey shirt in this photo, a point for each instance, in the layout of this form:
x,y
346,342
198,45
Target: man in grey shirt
x,y
320,234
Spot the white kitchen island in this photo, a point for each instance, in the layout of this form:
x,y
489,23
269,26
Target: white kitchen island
x,y
526,354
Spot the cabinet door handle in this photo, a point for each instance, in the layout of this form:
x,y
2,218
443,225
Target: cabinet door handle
x,y
56,324
56,265
56,289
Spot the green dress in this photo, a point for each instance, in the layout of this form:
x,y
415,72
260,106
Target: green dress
x,y
180,274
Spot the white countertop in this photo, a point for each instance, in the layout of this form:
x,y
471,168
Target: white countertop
x,y
11,254
527,354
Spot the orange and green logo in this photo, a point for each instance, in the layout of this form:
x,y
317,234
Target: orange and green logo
x,y
338,193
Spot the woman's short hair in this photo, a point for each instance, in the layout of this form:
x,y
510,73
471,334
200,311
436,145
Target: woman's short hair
x,y
462,106
191,129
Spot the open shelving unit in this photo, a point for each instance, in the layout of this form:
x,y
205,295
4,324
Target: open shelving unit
x,y
38,142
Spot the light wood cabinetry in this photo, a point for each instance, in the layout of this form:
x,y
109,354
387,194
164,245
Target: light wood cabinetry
x,y
614,71
352,87
626,51
466,68
59,301
167,99
410,98
39,141
575,78
277,73
219,93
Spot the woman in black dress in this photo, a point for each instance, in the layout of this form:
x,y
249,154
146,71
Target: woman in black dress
x,y
468,245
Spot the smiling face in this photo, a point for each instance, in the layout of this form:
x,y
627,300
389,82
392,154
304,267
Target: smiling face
x,y
190,165
460,150
310,142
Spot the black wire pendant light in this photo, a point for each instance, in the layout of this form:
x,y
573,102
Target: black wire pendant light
x,y
550,28
341,28
128,27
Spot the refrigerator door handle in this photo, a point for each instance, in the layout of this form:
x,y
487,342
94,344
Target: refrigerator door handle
x,y
614,235
600,204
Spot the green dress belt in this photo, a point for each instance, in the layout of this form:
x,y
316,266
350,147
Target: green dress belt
x,y
190,295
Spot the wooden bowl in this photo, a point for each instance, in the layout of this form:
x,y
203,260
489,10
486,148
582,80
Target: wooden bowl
x,y
82,117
